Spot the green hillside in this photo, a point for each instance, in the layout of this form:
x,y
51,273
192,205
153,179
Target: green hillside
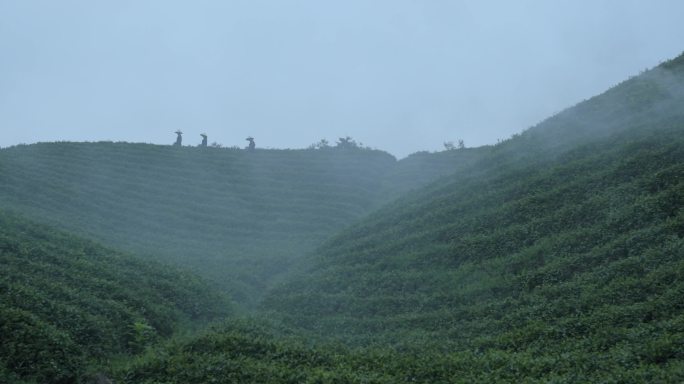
x,y
561,252
248,353
422,168
236,217
67,304
555,256
239,353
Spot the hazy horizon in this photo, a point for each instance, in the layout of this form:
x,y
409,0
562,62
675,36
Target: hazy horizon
x,y
401,76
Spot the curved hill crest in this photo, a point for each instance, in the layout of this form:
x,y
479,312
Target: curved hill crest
x,y
236,217
555,256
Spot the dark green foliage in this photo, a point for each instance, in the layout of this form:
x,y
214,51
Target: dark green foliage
x,y
239,353
66,302
461,254
238,218
35,349
566,262
555,256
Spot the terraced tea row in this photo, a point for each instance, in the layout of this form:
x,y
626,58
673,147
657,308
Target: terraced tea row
x,y
574,251
251,214
66,303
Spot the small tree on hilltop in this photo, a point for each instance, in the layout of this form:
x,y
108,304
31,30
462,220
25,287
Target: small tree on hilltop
x,y
346,142
320,145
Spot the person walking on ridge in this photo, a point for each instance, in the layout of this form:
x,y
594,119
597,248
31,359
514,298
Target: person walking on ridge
x,y
251,145
179,138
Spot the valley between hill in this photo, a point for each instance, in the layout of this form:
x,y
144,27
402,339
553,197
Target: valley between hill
x,y
237,218
555,256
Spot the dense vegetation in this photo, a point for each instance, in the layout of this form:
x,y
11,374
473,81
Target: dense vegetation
x,y
238,353
67,303
569,262
241,354
237,217
555,256
583,259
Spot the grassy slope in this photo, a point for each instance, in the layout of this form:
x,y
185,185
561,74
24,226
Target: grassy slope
x,y
238,218
422,168
557,257
66,303
561,253
239,353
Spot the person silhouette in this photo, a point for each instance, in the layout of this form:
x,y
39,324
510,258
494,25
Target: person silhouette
x,y
251,145
204,140
179,138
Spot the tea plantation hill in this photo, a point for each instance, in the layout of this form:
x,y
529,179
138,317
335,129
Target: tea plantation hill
x,y
507,272
239,218
561,254
68,304
556,256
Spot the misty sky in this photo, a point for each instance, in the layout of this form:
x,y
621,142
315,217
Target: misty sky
x,y
398,75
